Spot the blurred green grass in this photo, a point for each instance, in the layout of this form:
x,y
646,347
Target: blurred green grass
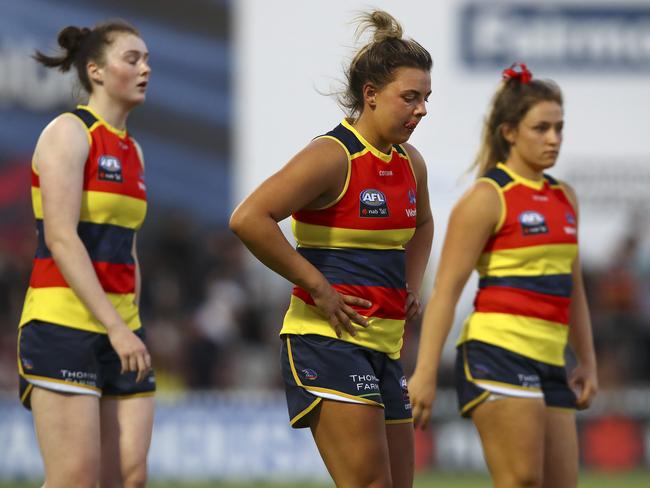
x,y
635,479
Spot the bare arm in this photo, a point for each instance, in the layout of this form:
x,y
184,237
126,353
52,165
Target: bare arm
x,y
312,178
471,223
419,247
59,158
584,378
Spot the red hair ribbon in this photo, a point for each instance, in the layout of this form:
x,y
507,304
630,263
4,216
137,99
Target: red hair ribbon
x,y
523,75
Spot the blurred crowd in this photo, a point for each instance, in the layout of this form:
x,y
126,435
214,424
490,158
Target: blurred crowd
x,y
212,318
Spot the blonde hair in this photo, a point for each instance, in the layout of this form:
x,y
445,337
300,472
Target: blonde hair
x,y
510,104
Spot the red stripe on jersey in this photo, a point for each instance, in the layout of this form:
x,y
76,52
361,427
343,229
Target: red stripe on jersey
x,y
105,143
387,303
515,301
365,174
551,203
114,278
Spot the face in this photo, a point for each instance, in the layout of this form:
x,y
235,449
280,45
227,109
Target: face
x,y
125,72
398,107
536,141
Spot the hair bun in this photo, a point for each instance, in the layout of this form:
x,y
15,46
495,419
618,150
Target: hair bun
x,y
71,38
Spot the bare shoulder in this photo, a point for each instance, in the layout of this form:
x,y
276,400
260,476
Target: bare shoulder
x,y
480,202
64,142
419,165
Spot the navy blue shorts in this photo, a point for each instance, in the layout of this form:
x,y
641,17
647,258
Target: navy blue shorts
x,y
316,367
483,370
74,361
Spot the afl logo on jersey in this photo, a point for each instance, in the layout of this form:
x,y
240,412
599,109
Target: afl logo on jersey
x,y
109,169
532,223
372,203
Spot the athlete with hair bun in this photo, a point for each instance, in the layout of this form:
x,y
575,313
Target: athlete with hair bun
x,y
85,371
361,218
518,227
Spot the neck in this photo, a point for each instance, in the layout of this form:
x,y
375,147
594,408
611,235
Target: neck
x,y
524,170
113,113
369,133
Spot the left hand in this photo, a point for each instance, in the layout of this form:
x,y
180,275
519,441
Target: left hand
x,y
584,382
412,306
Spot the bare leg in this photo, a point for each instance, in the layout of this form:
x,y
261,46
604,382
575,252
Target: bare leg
x,y
401,446
512,434
126,426
561,451
352,441
67,428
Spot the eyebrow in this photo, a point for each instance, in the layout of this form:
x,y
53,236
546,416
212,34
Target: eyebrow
x,y
135,51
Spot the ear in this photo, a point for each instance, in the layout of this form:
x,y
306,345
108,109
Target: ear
x,y
369,95
95,72
509,133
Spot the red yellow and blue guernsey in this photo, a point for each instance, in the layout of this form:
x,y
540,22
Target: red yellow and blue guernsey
x,y
113,207
525,270
358,243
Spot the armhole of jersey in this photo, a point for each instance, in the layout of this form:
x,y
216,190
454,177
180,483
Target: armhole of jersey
x,y
503,212
560,185
85,125
347,176
408,158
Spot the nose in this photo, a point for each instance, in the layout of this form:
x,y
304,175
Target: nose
x,y
554,136
146,68
421,109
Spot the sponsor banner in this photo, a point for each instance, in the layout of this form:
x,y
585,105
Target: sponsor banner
x,y
556,35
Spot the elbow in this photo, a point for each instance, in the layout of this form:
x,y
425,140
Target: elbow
x,y
238,221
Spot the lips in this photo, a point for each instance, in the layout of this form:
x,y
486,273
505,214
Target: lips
x,y
411,125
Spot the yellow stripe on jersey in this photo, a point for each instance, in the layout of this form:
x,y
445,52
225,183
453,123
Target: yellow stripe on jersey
x,y
384,335
311,235
546,259
100,207
60,305
531,337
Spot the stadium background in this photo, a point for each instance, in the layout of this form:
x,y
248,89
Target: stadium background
x,y
237,89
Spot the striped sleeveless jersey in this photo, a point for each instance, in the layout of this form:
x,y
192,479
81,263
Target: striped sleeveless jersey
x,y
113,207
358,241
525,270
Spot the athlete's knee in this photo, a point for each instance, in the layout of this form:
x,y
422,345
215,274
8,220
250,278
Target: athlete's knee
x,y
525,479
136,476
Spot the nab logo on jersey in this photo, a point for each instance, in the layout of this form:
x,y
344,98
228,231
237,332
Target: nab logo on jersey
x,y
109,169
532,223
372,203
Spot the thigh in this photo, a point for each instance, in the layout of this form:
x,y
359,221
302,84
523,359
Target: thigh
x,y
512,432
126,426
352,441
401,450
561,449
67,428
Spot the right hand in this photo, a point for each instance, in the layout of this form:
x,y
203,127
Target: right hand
x,y
336,308
422,392
131,350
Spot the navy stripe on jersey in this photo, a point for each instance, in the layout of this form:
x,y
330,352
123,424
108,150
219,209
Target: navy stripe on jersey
x,y
87,118
501,177
363,267
347,137
558,285
550,179
104,242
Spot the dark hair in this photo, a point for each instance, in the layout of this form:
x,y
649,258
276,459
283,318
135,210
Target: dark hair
x,y
377,61
81,44
510,104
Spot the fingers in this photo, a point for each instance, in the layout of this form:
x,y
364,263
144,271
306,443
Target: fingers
x,y
421,415
359,302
